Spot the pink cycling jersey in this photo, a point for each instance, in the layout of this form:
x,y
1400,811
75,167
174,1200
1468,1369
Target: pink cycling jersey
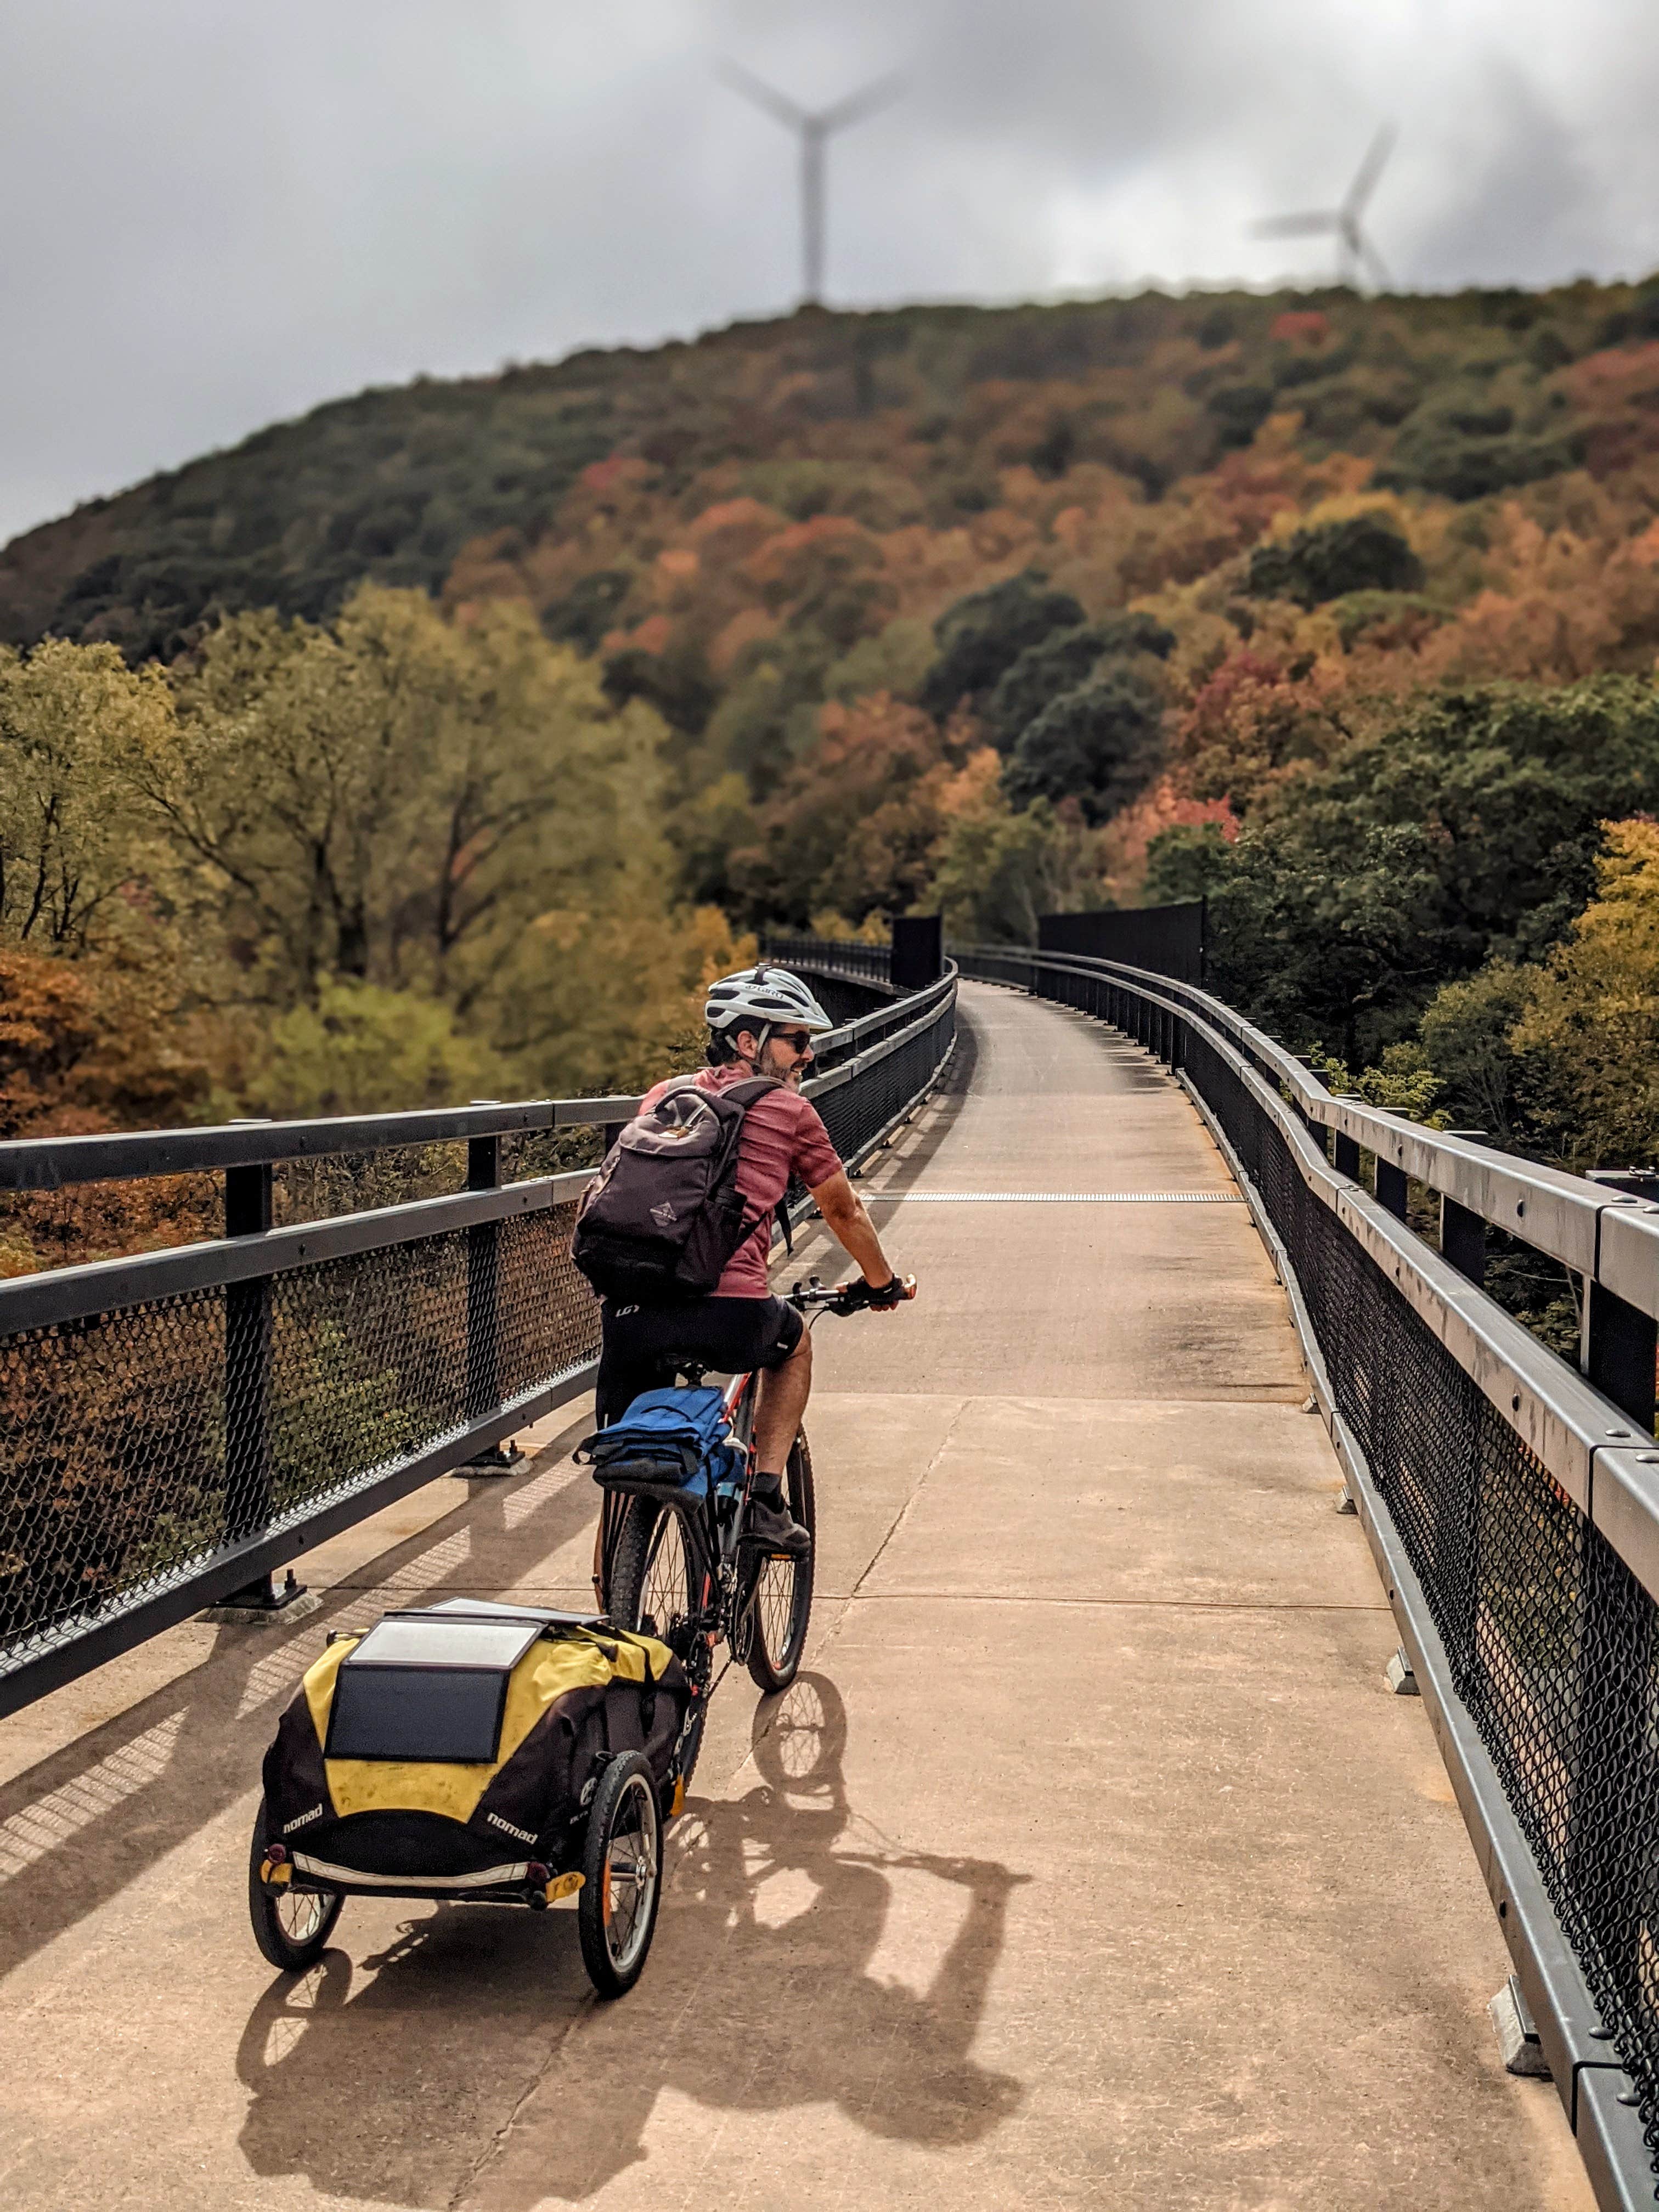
x,y
783,1135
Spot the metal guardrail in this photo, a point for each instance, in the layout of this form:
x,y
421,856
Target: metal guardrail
x,y
177,1426
832,956
1512,1503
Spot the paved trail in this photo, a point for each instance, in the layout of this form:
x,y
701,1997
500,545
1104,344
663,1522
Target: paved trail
x,y
1090,1863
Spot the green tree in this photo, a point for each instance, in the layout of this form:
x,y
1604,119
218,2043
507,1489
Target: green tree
x,y
1097,745
1359,554
1055,664
998,871
356,1049
75,724
1188,861
981,636
1465,829
394,799
1465,1032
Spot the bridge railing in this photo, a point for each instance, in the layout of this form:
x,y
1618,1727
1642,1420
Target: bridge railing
x,y
832,956
1511,1501
177,1426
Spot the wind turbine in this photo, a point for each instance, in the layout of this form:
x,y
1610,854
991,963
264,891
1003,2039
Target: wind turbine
x,y
816,128
1354,249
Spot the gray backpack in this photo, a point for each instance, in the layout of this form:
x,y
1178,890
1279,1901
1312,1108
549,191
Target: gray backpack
x,y
662,1216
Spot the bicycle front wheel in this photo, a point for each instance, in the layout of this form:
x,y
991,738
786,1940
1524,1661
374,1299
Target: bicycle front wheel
x,y
783,1589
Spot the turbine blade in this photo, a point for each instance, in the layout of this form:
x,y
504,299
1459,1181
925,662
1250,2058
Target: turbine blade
x,y
760,94
857,105
1370,169
1373,261
1297,226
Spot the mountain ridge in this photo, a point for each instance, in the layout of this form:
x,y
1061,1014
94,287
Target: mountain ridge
x,y
389,485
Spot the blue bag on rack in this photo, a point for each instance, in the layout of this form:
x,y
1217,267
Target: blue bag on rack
x,y
675,1443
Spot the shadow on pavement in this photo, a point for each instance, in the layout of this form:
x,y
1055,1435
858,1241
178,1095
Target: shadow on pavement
x,y
759,1997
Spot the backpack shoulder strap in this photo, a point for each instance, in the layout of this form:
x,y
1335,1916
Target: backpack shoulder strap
x,y
746,1094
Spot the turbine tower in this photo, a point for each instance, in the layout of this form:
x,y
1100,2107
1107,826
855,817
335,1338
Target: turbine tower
x,y
816,127
1354,249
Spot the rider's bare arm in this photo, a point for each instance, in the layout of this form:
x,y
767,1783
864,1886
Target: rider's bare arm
x,y
843,1210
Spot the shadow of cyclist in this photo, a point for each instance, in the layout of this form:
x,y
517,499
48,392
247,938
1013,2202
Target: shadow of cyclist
x,y
759,1997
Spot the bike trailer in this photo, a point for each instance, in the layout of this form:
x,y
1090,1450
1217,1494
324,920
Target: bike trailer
x,y
675,1443
454,1750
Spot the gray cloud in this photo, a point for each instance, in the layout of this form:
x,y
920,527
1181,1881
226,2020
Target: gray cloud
x,y
216,216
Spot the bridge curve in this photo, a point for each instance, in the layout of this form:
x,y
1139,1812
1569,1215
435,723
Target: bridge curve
x,y
1091,1862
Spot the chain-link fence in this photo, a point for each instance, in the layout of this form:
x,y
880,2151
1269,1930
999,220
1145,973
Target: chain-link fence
x,y
1549,1636
175,1424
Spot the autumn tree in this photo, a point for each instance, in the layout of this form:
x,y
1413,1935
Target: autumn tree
x,y
1589,1031
394,798
77,851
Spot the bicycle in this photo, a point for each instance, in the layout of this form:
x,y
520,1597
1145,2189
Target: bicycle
x,y
680,1569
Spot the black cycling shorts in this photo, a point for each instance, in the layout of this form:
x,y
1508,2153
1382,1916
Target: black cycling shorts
x,y
644,1345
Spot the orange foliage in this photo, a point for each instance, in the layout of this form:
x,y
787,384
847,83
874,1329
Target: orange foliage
x,y
84,1049
1165,806
1255,723
1300,326
855,824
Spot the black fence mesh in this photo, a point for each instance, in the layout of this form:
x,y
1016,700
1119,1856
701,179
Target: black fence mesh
x,y
140,1446
1550,1638
827,955
857,1112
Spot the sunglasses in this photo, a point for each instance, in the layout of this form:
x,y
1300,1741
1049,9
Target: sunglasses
x,y
799,1041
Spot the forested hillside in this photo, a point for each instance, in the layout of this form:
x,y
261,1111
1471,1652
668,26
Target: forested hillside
x,y
444,738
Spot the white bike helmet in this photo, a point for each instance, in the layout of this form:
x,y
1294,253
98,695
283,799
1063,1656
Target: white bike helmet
x,y
762,998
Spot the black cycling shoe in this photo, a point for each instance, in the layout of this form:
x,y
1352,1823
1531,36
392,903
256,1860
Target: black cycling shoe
x,y
769,1529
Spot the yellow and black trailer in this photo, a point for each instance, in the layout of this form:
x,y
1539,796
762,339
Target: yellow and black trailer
x,y
475,1752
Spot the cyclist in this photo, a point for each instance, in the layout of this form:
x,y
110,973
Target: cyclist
x,y
761,1021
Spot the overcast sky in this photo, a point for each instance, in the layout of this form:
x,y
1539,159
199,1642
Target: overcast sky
x,y
219,213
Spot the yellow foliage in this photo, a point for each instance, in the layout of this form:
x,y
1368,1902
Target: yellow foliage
x,y
1591,1025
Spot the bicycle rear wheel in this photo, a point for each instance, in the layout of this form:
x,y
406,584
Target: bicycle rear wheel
x,y
652,1593
651,1581
783,1589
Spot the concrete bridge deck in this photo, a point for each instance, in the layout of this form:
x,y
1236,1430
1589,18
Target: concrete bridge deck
x,y
1090,1864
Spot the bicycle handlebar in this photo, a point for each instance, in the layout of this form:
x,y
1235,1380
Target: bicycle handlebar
x,y
852,1298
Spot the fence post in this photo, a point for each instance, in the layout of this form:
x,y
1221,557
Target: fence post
x,y
483,1390
1618,1351
248,1500
1345,1149
1391,1186
1463,1239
